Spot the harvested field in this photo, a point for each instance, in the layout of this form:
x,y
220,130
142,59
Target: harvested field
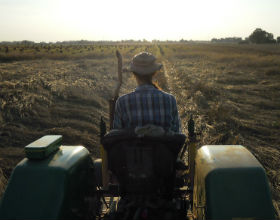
x,y
233,92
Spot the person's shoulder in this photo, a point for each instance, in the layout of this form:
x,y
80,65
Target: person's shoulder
x,y
170,97
166,94
125,96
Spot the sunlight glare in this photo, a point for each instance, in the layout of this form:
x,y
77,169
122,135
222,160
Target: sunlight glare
x,y
137,20
52,20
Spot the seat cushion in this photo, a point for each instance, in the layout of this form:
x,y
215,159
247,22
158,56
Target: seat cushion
x,y
173,141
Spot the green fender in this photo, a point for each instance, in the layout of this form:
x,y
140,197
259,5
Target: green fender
x,y
49,188
230,183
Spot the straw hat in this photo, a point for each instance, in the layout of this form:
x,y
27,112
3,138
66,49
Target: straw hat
x,y
144,63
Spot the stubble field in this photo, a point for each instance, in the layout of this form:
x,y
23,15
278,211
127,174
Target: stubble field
x,y
232,91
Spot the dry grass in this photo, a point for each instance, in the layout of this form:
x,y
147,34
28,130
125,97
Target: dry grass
x,y
55,52
3,182
232,91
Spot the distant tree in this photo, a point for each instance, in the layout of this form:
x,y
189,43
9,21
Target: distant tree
x,y
27,42
183,41
227,40
260,36
214,40
244,42
278,40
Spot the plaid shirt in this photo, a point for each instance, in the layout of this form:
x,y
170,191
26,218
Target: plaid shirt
x,y
147,105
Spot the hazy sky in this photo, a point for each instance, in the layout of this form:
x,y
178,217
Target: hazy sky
x,y
58,20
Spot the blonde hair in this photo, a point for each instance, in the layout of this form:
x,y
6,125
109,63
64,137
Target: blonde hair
x,y
148,79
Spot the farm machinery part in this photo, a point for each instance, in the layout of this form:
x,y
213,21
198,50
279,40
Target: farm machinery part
x,y
60,182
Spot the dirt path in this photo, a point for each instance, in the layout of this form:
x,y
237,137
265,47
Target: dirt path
x,y
188,101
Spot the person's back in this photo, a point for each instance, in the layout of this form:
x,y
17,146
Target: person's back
x,y
147,104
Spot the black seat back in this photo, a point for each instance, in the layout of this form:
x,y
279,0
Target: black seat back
x,y
143,165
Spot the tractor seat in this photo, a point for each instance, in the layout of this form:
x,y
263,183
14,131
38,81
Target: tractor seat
x,y
143,164
174,141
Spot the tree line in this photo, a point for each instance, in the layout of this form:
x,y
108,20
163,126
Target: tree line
x,y
258,36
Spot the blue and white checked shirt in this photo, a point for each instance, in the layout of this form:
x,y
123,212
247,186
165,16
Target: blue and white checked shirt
x,y
147,105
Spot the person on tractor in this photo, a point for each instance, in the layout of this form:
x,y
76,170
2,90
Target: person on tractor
x,y
148,106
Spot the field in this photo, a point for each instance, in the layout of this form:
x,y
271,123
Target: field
x,y
232,91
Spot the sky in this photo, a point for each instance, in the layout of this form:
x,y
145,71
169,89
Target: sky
x,y
63,20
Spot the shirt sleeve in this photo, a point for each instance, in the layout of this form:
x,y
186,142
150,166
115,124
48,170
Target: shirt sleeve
x,y
176,122
117,123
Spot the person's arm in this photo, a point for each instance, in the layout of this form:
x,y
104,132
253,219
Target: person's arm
x,y
117,123
176,122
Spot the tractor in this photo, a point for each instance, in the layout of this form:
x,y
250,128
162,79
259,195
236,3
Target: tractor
x,y
141,178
